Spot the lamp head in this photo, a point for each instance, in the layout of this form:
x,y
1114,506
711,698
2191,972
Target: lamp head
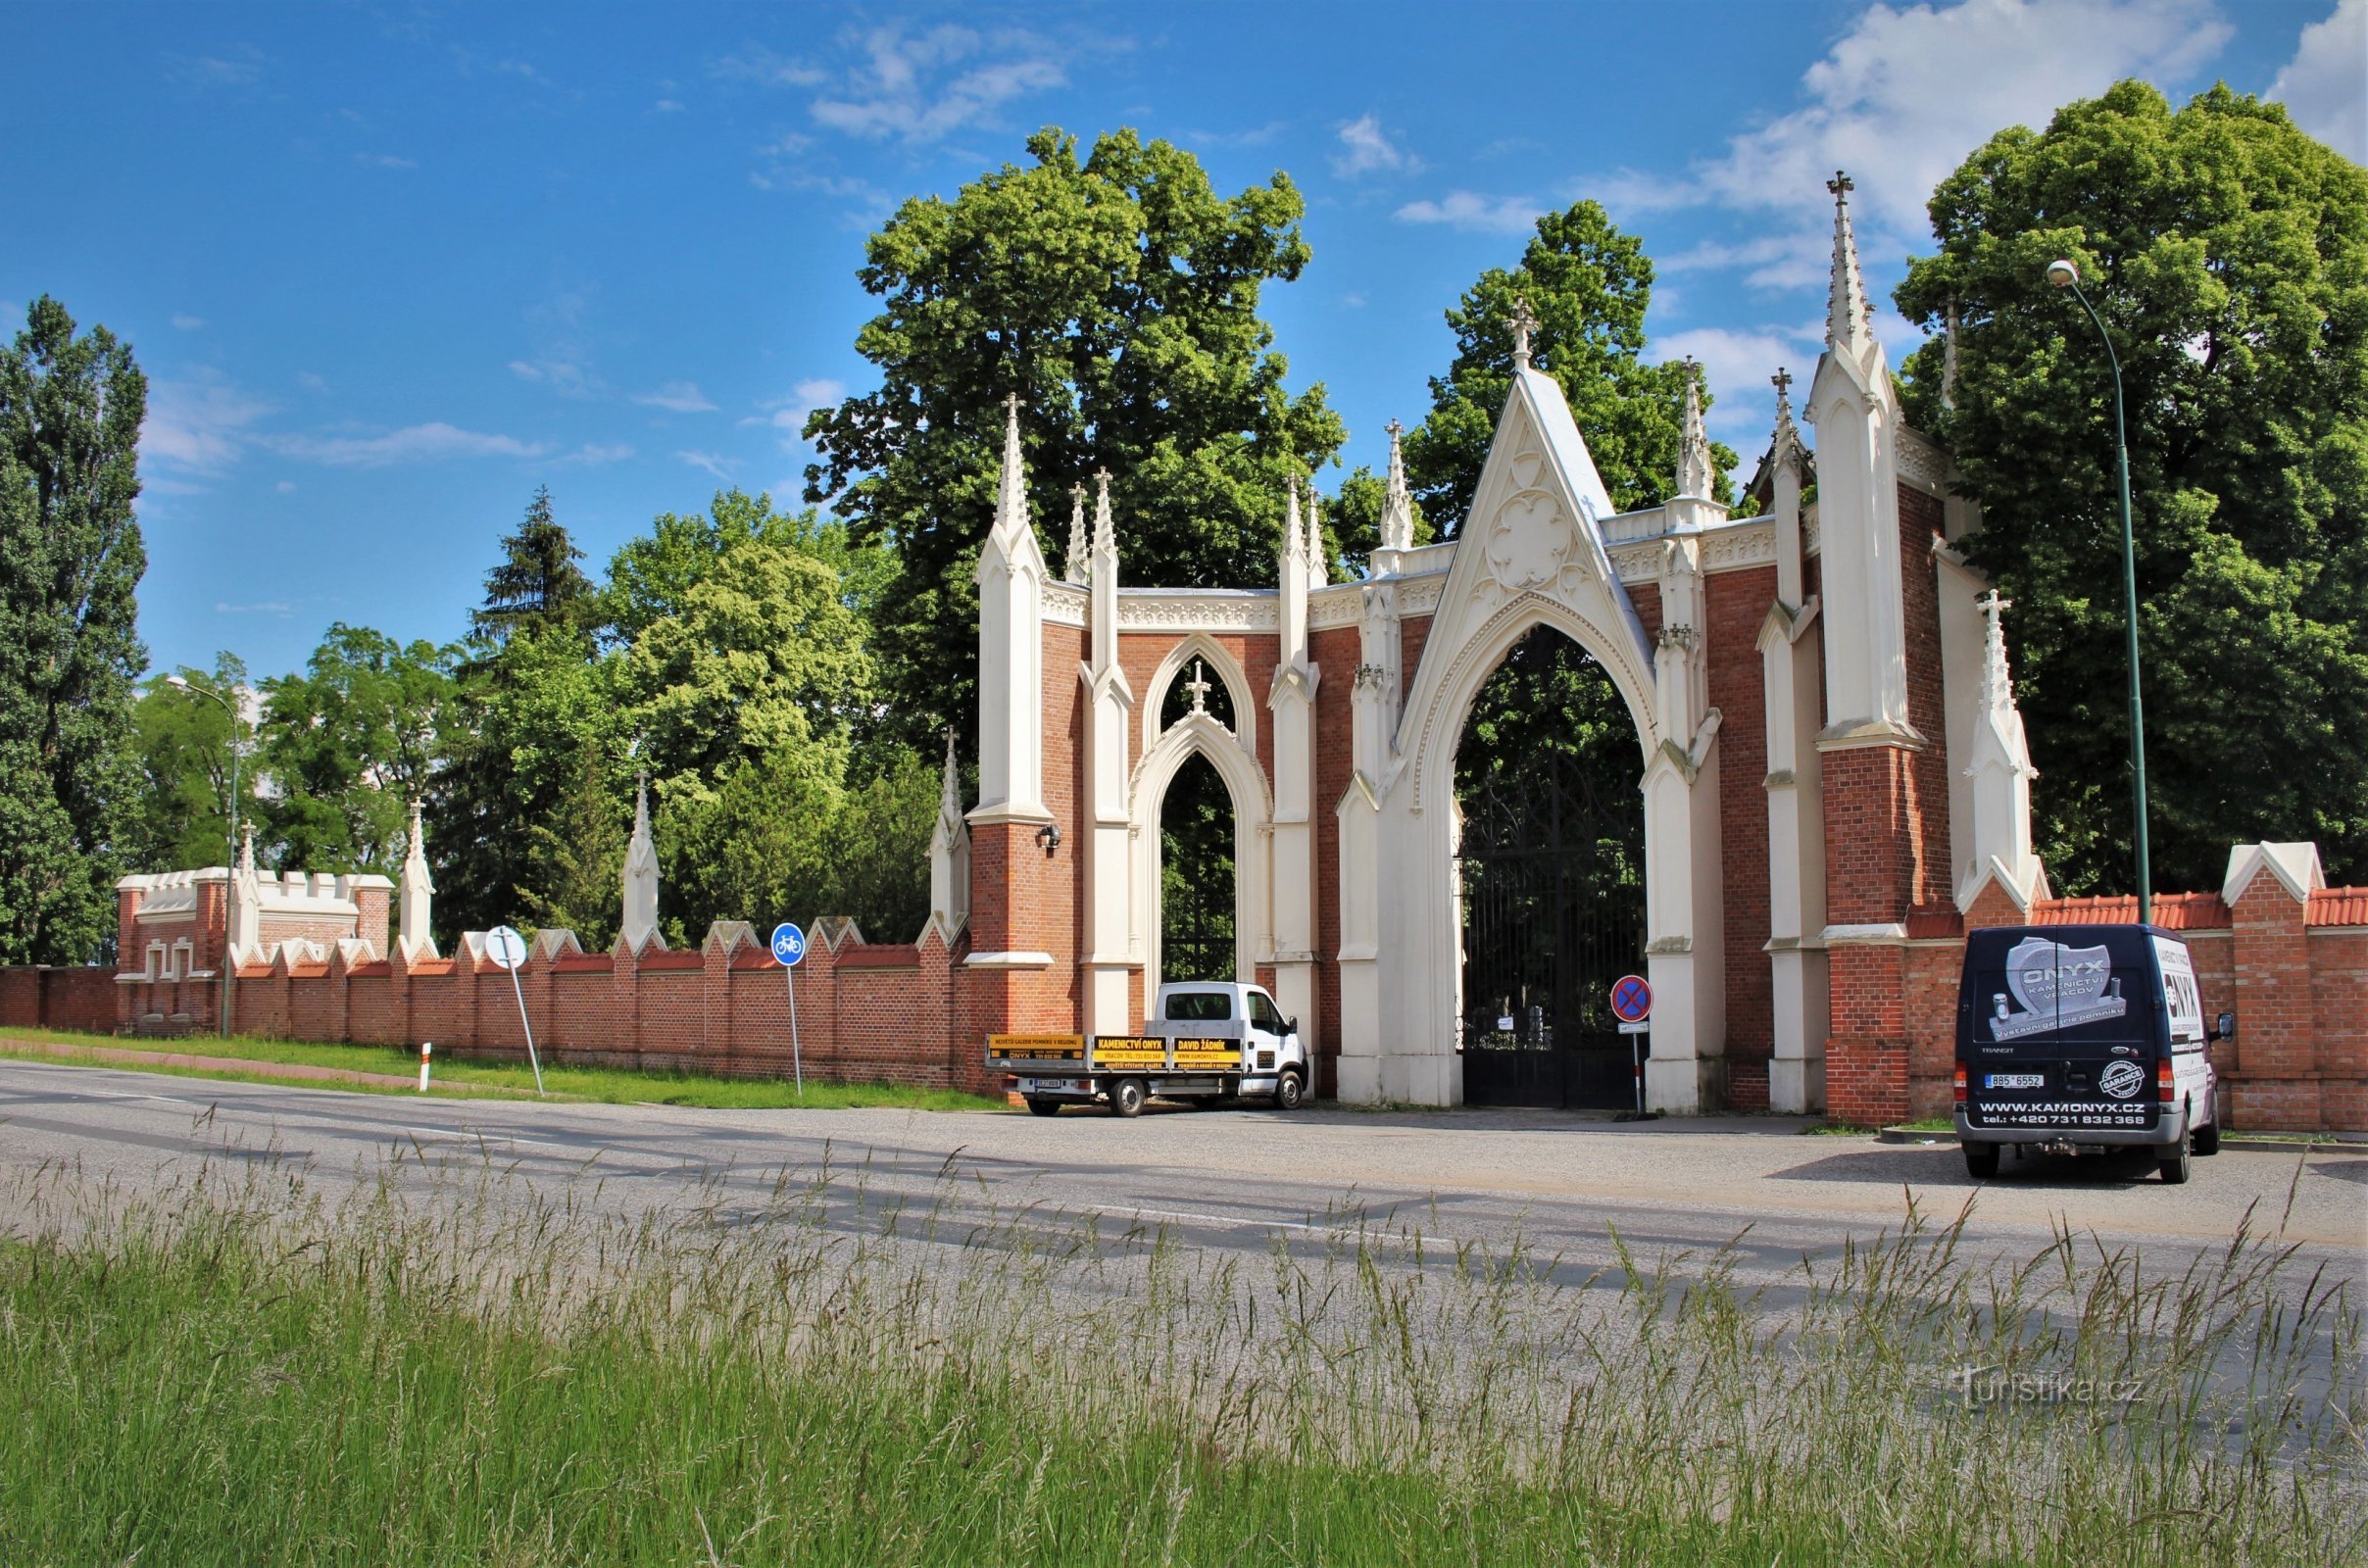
x,y
180,683
2062,274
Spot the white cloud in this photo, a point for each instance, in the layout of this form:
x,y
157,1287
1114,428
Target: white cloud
x,y
1470,210
286,487
1365,149
383,161
2325,86
714,463
915,85
1902,97
242,66
268,607
667,106
188,324
433,442
1736,366
788,414
199,422
561,375
679,397
311,381
593,454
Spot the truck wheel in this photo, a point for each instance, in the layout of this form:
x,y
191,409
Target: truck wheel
x,y
2206,1137
2174,1166
1127,1095
1040,1106
1981,1160
1289,1093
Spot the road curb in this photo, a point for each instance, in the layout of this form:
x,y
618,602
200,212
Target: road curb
x,y
2299,1142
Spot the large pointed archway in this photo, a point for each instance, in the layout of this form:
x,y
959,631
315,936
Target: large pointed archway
x,y
1550,880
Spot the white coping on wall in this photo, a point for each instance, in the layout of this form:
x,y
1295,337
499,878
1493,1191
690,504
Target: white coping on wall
x,y
1007,961
171,896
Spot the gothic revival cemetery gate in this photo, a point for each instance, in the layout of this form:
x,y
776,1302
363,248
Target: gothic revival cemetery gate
x,y
1551,873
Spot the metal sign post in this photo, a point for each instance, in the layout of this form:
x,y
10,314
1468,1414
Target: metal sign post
x,y
508,948
789,947
1632,1005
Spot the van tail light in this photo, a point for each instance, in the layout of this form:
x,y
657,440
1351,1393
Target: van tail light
x,y
1960,1086
2166,1083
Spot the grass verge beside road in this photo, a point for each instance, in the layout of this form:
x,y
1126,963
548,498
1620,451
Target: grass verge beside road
x,y
238,1370
460,1076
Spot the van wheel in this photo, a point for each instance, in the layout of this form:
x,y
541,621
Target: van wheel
x,y
2174,1166
1041,1106
1127,1095
1289,1092
1981,1160
2206,1140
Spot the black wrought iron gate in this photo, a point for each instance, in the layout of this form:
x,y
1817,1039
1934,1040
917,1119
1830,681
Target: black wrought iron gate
x,y
1551,882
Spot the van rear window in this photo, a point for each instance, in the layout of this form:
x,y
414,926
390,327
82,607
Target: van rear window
x,y
1199,1006
2045,987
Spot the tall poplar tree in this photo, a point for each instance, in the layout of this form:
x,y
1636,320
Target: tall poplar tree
x,y
70,559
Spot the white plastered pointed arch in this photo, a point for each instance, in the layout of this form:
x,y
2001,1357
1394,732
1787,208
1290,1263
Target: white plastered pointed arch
x,y
1228,671
1252,797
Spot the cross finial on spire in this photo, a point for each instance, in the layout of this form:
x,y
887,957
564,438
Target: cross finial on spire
x,y
1011,497
1523,325
1841,184
950,786
1787,436
1199,687
1782,381
1997,688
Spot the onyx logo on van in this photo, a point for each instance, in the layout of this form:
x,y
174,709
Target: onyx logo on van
x,y
2121,1079
2054,987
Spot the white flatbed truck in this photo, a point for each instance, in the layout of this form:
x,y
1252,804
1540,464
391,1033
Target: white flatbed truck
x,y
1206,1041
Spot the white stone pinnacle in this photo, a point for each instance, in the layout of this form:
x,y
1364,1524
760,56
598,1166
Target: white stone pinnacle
x,y
1847,326
1398,506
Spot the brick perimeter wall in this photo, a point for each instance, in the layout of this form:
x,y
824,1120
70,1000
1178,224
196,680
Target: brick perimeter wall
x,y
39,997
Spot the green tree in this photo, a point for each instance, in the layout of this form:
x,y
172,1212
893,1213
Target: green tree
x,y
71,560
1116,294
348,745
537,581
532,695
2228,254
1588,285
183,742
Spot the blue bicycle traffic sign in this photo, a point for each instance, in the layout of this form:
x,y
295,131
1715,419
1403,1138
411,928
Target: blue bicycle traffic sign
x,y
789,944
1631,999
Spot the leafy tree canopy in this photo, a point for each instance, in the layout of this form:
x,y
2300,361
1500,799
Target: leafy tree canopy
x,y
182,745
1588,284
348,745
2228,254
70,559
1118,295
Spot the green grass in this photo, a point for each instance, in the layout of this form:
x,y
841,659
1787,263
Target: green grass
x,y
460,1075
240,1371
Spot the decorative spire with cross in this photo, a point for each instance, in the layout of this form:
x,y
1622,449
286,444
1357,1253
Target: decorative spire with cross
x,y
1315,536
1693,471
949,795
1199,687
1523,325
1997,689
1106,530
1295,539
1012,494
1397,505
1787,436
1073,568
1846,323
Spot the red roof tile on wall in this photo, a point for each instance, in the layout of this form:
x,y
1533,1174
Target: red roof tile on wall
x,y
1926,923
2337,907
2173,911
880,956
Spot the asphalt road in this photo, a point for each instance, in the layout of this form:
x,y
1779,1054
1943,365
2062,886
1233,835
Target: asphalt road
x,y
1221,1180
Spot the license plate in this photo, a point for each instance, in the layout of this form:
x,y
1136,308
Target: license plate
x,y
2014,1080
1051,1086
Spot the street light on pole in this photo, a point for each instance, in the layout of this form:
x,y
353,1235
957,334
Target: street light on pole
x,y
230,968
2063,274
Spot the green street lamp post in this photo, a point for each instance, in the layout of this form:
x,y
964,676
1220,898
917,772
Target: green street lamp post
x,y
2063,274
229,970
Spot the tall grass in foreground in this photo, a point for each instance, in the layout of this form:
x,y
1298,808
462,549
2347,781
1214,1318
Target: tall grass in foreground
x,y
447,1367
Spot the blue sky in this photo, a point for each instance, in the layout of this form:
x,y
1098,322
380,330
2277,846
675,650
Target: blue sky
x,y
391,268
